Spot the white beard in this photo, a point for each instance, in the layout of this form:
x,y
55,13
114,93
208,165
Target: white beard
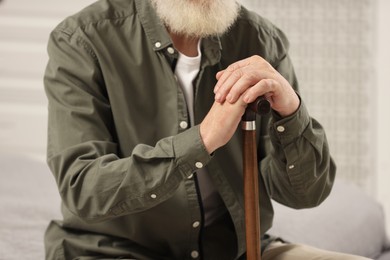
x,y
197,18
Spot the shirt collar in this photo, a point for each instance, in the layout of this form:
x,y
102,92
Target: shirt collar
x,y
154,28
211,50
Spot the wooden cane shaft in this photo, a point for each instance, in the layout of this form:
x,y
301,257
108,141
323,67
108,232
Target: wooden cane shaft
x,y
251,196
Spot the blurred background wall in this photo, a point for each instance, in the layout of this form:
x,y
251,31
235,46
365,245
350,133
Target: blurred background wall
x,y
383,105
339,48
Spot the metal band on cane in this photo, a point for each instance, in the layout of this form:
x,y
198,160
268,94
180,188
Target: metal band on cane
x,y
248,125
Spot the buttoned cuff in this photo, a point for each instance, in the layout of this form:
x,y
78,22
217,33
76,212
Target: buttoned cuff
x,y
289,128
190,152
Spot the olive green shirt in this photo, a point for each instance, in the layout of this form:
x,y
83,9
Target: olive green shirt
x,y
120,148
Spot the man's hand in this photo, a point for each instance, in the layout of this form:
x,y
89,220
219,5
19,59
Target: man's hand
x,y
219,125
238,85
253,77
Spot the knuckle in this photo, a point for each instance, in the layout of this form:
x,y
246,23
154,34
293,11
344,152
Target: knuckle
x,y
232,67
251,76
272,84
237,73
257,58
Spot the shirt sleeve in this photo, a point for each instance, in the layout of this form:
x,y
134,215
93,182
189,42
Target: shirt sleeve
x,y
297,168
94,182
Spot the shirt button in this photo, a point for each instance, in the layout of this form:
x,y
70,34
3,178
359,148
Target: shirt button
x,y
190,176
280,129
195,224
157,44
171,50
199,165
292,166
183,125
194,254
153,196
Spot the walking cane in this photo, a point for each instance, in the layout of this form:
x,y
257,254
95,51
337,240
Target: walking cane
x,y
251,185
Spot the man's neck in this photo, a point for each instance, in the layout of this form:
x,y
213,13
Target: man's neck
x,y
185,45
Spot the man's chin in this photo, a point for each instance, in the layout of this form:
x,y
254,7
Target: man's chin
x,y
196,21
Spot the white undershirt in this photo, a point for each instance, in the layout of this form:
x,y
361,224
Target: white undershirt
x,y
187,68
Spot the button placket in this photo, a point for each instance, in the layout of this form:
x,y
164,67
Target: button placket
x,y
195,224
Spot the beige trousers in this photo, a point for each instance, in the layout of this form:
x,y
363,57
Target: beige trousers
x,y
283,251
